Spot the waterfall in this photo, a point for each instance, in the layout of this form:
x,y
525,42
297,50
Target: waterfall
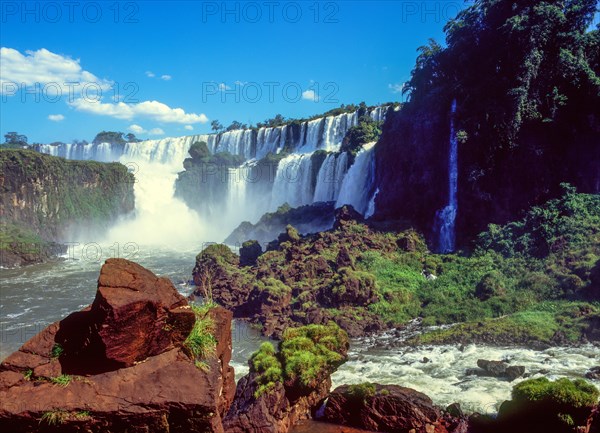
x,y
295,180
330,177
357,184
446,217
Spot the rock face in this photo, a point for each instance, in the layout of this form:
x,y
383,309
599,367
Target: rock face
x,y
388,408
283,388
307,219
43,198
301,280
122,364
273,412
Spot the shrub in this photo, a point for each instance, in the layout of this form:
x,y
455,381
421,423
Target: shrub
x,y
577,393
361,391
267,365
492,284
201,343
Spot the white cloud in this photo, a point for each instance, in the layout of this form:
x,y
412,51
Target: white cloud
x,y
240,83
165,77
150,74
137,129
154,110
223,87
310,95
56,117
45,68
188,127
396,88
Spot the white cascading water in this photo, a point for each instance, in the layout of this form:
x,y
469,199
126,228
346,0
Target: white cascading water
x,y
330,177
441,371
356,186
446,217
292,182
157,162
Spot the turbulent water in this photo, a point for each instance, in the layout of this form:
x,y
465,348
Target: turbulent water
x,y
440,371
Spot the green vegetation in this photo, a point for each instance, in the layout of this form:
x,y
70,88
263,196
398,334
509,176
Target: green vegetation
x,y
541,401
201,343
540,63
365,132
532,281
63,380
89,191
57,350
14,140
21,240
28,374
266,363
310,350
306,356
55,417
362,391
114,138
59,417
577,393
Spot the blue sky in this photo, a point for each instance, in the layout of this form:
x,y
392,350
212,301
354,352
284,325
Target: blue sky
x,y
169,68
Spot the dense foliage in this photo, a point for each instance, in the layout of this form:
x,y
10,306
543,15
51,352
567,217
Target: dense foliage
x,y
530,58
553,406
525,75
367,130
365,279
306,356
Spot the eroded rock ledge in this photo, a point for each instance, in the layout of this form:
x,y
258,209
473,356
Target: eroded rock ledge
x,y
123,364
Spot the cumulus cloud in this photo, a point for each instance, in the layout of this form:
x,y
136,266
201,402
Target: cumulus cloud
x,y
43,67
165,77
396,88
310,95
150,74
223,87
188,127
56,117
153,110
137,129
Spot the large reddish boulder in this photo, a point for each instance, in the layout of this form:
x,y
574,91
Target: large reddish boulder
x,y
389,408
120,365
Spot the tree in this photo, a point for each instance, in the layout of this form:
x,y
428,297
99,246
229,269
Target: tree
x,y
131,138
216,126
14,139
234,125
111,137
198,150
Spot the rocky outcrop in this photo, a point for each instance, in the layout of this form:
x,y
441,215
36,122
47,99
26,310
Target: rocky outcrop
x,y
306,219
302,280
497,369
288,386
385,408
123,364
44,199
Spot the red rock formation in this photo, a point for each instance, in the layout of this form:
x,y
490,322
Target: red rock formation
x,y
123,363
389,408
